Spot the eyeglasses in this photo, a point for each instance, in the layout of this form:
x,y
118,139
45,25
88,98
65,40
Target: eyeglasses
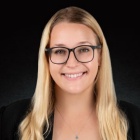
x,y
60,55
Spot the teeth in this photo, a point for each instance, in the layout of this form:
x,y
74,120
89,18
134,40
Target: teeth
x,y
73,75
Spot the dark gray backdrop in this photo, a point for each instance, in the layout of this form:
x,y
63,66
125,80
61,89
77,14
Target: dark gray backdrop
x,y
21,28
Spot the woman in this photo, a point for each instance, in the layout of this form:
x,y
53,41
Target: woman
x,y
75,95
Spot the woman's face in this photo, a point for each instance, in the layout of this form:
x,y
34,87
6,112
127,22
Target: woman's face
x,y
73,77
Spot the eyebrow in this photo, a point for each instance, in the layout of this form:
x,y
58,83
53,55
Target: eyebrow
x,y
84,42
80,43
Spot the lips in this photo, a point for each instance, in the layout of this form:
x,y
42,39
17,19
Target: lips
x,y
73,75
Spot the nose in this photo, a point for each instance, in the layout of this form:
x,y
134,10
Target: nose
x,y
72,61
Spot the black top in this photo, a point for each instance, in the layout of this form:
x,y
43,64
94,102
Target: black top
x,y
11,115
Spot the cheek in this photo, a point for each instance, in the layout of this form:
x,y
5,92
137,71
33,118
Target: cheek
x,y
93,68
54,71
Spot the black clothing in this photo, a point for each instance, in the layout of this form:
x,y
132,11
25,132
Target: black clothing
x,y
11,115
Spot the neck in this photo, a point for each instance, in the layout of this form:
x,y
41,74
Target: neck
x,y
75,105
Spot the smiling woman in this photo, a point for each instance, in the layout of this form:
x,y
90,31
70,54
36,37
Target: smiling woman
x,y
75,96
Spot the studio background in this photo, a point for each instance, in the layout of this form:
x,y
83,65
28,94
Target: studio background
x,y
21,29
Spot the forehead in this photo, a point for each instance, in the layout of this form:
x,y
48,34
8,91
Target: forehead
x,y
65,32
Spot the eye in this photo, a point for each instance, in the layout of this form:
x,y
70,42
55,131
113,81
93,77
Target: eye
x,y
83,49
59,51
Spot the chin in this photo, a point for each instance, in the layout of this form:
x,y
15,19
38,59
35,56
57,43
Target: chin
x,y
73,91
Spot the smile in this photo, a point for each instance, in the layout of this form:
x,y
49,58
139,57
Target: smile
x,y
76,75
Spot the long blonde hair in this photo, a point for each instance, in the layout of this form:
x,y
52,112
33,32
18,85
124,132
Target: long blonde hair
x,y
112,121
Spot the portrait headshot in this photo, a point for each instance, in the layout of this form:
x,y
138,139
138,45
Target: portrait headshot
x,y
70,71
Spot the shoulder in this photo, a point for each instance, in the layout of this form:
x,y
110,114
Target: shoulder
x,y
132,113
11,115
131,110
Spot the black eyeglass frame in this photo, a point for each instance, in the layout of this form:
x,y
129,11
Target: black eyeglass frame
x,y
48,51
